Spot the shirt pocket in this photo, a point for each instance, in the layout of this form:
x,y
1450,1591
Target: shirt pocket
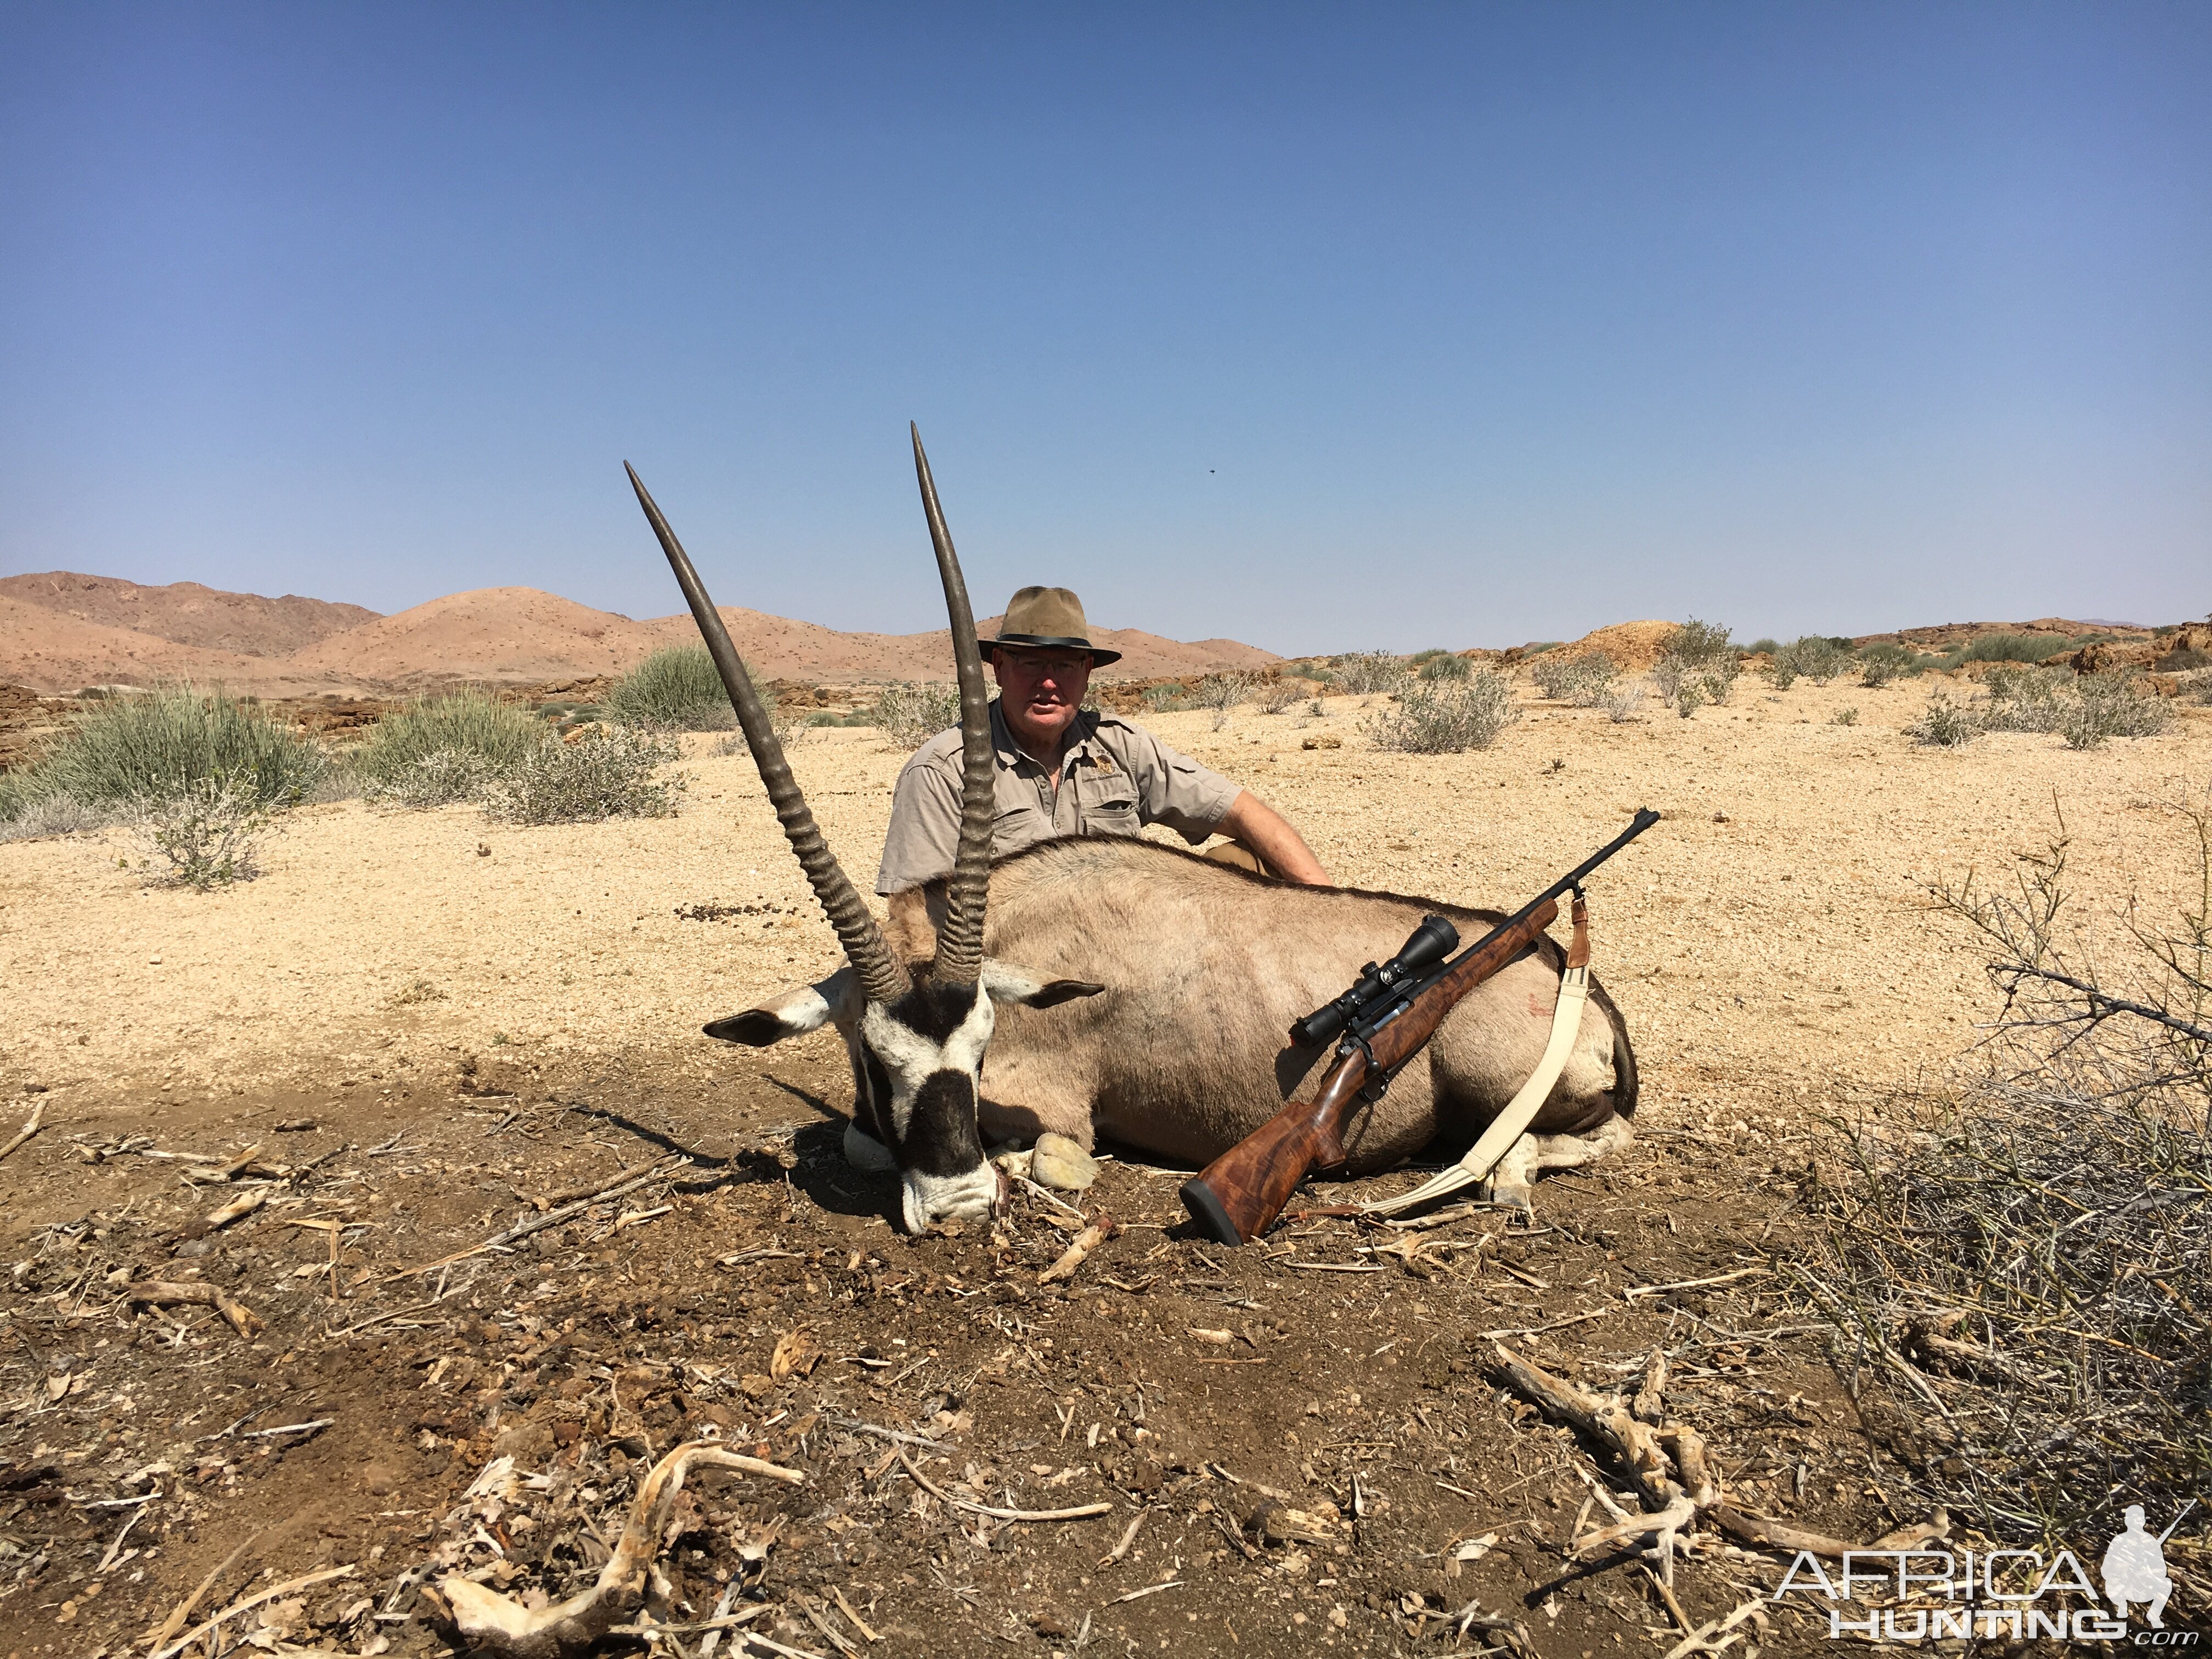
x,y
1108,804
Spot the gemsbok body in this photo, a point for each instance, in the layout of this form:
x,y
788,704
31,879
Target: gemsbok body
x,y
1109,985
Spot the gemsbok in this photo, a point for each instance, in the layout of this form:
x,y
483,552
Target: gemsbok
x,y
1111,985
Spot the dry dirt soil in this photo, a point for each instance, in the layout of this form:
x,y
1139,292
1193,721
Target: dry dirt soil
x,y
333,1095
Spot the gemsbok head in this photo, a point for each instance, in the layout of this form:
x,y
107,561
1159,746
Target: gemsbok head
x,y
916,1031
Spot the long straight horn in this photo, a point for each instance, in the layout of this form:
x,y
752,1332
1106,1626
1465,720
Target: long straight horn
x,y
881,974
960,941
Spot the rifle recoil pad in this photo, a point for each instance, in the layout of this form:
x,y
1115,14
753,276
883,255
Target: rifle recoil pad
x,y
1427,945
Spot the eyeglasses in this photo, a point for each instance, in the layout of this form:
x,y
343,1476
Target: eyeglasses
x,y
1060,667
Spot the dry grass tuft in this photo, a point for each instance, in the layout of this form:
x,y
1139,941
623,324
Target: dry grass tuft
x,y
2021,1268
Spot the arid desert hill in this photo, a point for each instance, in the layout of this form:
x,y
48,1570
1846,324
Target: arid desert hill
x,y
61,631
186,613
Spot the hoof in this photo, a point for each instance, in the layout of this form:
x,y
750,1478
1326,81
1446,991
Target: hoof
x,y
865,1152
1058,1162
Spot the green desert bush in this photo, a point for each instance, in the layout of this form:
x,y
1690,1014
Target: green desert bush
x,y
2012,648
143,748
469,722
204,835
1446,666
30,816
615,772
2109,706
912,711
1165,699
1584,680
1813,656
1698,665
1848,716
1945,724
1362,673
2026,699
439,779
677,688
1446,718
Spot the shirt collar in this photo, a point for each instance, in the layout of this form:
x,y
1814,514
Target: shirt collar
x,y
1009,751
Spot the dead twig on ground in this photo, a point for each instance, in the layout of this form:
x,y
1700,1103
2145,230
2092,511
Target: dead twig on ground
x,y
30,1128
163,1293
1080,1512
553,1218
1100,1229
507,1628
247,1604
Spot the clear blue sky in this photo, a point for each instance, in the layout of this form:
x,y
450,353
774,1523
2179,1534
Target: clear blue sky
x,y
1323,327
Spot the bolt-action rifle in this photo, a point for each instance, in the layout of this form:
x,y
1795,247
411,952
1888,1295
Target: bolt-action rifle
x,y
1379,1024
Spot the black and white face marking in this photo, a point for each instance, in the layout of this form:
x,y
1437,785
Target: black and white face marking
x,y
916,1066
923,1055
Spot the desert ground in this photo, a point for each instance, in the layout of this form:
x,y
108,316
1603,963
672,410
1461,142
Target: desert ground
x,y
415,1028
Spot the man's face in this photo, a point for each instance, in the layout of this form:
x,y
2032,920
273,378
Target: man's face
x,y
1040,691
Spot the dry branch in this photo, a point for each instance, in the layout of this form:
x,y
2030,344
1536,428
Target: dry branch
x,y
505,1627
1088,1239
247,1604
163,1293
30,1128
1080,1512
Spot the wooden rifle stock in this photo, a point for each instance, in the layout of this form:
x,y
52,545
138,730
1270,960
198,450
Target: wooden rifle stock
x,y
1238,1195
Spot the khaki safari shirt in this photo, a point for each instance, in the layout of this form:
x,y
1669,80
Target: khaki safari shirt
x,y
1115,778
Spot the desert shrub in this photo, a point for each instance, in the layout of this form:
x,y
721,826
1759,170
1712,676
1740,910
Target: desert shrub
x,y
2010,647
1622,703
2184,659
2023,1245
912,711
677,688
1446,718
204,835
1764,647
1945,724
1815,658
1584,680
171,743
1698,665
1167,699
1275,696
1881,664
1223,692
2026,699
615,772
1446,666
1848,716
31,817
2109,706
470,721
1364,672
438,779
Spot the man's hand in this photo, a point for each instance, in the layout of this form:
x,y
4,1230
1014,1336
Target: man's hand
x,y
1269,832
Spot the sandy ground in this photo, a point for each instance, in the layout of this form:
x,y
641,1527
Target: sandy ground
x,y
1768,940
334,1093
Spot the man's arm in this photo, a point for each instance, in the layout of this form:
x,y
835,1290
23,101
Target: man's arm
x,y
1269,832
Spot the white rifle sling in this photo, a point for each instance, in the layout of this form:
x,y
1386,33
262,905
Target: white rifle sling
x,y
1510,1124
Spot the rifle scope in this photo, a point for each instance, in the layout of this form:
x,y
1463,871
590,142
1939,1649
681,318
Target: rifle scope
x,y
1429,944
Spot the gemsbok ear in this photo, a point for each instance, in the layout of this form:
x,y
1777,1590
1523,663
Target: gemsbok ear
x,y
755,1028
1007,983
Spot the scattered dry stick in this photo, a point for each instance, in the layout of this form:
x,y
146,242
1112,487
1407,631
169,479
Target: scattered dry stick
x,y
505,1627
163,1293
247,1604
30,1128
1702,1640
552,1218
183,1610
1080,1512
1085,1241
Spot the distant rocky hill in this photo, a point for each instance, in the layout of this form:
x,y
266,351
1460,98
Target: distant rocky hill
x,y
61,631
185,613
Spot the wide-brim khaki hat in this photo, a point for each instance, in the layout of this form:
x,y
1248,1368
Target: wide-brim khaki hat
x,y
1050,619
